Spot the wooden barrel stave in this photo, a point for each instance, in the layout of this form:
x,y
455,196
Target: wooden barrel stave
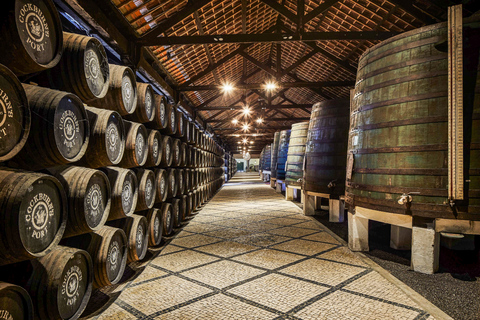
x,y
107,139
63,142
161,178
296,153
146,189
25,49
15,302
155,149
282,154
167,219
155,226
122,92
405,91
136,145
89,198
145,109
124,188
37,214
136,229
83,69
16,119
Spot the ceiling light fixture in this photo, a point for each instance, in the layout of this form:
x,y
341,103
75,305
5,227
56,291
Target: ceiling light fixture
x,y
245,140
246,126
270,86
234,121
227,87
259,120
246,111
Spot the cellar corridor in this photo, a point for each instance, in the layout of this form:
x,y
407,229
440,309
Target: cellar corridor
x,y
249,254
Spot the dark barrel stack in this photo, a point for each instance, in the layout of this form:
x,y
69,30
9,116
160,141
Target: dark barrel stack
x,y
97,167
296,153
282,153
275,144
267,155
326,148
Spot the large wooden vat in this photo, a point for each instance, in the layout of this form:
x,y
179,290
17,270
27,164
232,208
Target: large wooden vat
x,y
399,127
326,148
276,141
282,153
296,153
267,156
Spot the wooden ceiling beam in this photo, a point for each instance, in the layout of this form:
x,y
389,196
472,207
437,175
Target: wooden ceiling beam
x,y
409,6
275,106
248,86
281,9
321,8
267,38
266,119
191,7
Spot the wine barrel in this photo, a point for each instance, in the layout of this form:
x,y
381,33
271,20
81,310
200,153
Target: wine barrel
x,y
31,35
282,153
160,119
122,91
188,180
177,218
136,229
172,182
154,153
187,137
145,110
167,219
146,189
34,214
189,205
63,142
296,153
171,128
183,208
83,69
124,187
15,302
274,154
88,192
61,283
183,154
108,249
398,141
180,125
155,227
15,115
167,148
107,139
176,152
161,178
180,182
326,148
261,160
193,133
136,146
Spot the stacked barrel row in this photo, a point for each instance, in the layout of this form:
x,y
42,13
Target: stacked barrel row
x,y
96,167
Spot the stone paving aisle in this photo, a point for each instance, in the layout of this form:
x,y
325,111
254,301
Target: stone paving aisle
x,y
249,254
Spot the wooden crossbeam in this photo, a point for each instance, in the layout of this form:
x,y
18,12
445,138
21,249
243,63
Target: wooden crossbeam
x,y
266,38
248,86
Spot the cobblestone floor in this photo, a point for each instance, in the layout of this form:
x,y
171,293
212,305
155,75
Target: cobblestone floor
x,y
249,254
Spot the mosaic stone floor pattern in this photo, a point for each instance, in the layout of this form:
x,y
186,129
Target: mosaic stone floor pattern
x,y
249,254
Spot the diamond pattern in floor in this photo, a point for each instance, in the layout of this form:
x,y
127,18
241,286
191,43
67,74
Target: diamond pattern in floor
x,y
250,254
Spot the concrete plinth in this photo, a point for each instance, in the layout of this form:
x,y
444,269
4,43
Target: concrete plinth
x,y
309,205
289,193
336,210
302,196
279,186
425,250
357,233
400,238
272,183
